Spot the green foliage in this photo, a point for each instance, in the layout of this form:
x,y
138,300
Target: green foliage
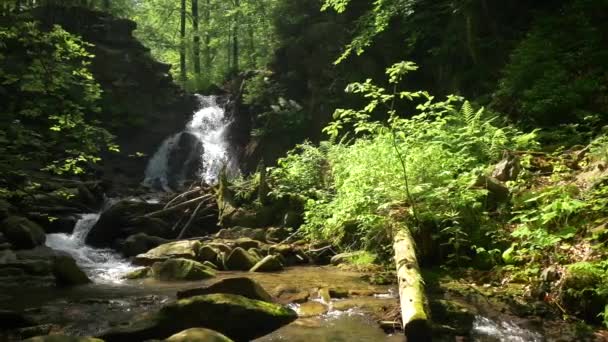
x,y
439,150
49,96
558,75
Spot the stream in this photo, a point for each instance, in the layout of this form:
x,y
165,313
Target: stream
x,y
111,300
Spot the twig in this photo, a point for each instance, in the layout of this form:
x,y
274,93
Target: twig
x,y
179,206
198,207
185,194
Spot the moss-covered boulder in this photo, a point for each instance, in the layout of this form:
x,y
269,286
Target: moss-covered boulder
x,y
140,243
241,286
582,290
186,249
138,274
22,233
180,269
258,234
67,273
208,253
62,338
239,260
270,263
246,243
239,318
198,335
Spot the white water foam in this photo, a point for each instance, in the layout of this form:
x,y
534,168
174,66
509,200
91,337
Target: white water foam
x,y
485,329
209,125
101,265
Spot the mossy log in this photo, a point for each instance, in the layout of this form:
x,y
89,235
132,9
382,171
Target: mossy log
x,y
414,306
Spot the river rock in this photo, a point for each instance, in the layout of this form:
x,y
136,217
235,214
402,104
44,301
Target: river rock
x,y
246,243
270,263
22,233
239,260
181,269
219,312
198,335
138,274
140,243
62,338
187,249
241,286
67,273
63,224
113,223
310,309
277,234
207,253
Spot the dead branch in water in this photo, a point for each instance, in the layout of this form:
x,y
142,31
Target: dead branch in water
x,y
204,198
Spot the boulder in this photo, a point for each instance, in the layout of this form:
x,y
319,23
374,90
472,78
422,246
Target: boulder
x,y
240,232
219,312
112,223
67,273
310,309
138,274
140,243
180,269
508,168
239,260
63,224
198,335
62,338
22,233
578,291
275,234
207,253
270,263
241,286
151,226
187,249
246,243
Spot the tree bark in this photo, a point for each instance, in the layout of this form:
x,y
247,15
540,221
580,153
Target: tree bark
x,y
207,57
182,45
196,43
235,39
414,306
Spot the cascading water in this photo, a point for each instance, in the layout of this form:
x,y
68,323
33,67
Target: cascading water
x,y
208,151
101,265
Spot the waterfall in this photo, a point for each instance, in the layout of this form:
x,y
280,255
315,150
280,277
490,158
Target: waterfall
x,y
101,265
200,150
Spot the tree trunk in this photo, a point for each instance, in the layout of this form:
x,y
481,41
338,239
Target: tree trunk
x,y
207,57
182,45
196,44
106,5
235,39
252,54
414,306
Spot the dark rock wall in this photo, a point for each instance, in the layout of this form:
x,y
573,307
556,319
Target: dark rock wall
x,y
141,105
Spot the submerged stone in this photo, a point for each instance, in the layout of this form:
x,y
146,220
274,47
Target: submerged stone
x,y
237,317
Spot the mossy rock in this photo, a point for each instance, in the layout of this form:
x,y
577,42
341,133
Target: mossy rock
x,y
270,263
181,269
241,286
580,288
61,338
246,243
453,314
22,233
207,253
140,243
237,317
138,274
186,249
198,335
239,260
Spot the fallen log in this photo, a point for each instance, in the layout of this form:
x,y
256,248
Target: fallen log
x,y
414,306
179,206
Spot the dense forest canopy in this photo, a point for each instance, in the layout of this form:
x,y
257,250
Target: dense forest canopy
x,y
479,127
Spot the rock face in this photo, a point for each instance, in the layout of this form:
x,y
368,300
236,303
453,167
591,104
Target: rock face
x,y
187,249
181,269
239,286
22,233
198,335
237,317
139,96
